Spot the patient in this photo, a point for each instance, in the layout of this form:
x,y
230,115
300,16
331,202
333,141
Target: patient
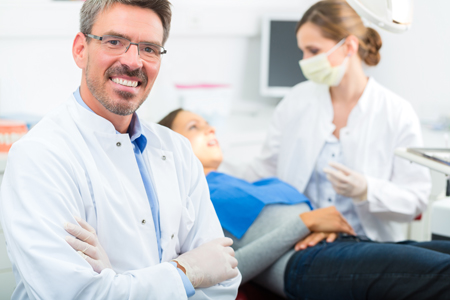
x,y
268,219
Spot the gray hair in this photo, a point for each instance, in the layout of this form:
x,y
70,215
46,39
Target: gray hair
x,y
92,8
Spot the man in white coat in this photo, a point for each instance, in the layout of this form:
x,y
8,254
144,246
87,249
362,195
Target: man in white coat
x,y
139,186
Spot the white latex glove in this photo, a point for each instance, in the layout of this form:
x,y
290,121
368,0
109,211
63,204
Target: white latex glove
x,y
87,245
347,182
210,263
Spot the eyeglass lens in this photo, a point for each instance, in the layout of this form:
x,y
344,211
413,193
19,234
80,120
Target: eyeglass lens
x,y
117,46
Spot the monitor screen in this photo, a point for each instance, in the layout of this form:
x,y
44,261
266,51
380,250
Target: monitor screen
x,y
279,56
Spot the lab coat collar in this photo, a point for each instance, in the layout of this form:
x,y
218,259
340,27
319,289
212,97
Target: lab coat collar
x,y
363,102
358,111
93,122
326,124
90,119
134,129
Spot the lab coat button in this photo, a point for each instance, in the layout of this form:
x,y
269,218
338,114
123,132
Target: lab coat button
x,y
143,222
172,236
163,157
118,144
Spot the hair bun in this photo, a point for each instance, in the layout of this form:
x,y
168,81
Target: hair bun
x,y
373,45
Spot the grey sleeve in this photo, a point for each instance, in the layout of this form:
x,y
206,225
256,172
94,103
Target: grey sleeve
x,y
274,232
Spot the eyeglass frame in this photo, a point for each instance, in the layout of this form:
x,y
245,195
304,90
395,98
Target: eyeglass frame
x,y
100,38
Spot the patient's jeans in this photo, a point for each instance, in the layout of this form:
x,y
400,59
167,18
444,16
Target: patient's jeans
x,y
357,268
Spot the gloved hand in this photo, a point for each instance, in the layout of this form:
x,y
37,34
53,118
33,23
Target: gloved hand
x,y
87,245
347,182
210,263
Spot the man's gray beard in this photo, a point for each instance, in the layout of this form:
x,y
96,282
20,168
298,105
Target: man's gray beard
x,y
116,108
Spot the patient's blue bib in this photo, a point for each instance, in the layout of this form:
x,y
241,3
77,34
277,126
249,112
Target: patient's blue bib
x,y
238,202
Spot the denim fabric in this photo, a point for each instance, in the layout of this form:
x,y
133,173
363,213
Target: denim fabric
x,y
357,268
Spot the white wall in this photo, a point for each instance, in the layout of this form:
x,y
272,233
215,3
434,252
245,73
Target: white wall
x,y
211,42
416,64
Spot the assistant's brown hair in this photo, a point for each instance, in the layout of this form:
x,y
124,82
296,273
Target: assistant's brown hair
x,y
337,20
168,120
92,8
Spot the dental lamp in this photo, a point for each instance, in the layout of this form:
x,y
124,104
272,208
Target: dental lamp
x,y
391,15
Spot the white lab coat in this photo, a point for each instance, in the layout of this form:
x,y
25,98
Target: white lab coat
x,y
74,163
381,122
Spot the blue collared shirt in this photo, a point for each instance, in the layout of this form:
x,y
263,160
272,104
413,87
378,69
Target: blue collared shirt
x,y
139,142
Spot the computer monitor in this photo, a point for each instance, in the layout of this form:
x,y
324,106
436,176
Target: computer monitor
x,y
279,56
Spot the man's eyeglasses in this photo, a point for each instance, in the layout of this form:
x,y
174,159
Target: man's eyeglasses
x,y
116,45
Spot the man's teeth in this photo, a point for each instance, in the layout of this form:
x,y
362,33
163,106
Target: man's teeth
x,y
210,143
125,82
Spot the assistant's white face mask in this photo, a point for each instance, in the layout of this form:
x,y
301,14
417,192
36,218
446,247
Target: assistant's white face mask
x,y
319,69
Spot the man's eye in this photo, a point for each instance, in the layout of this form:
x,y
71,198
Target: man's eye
x,y
114,42
193,127
149,49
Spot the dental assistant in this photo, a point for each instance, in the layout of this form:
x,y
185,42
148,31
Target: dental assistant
x,y
333,137
136,186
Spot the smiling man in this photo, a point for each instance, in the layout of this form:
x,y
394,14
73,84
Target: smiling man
x,y
136,187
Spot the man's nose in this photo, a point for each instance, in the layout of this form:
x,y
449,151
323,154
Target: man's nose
x,y
131,57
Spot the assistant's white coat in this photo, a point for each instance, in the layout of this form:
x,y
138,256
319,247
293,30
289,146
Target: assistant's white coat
x,y
74,163
381,122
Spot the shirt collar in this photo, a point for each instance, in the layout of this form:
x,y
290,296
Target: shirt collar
x,y
136,133
134,130
80,101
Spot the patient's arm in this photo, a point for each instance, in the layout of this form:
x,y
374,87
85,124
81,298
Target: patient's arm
x,y
327,219
262,252
325,224
277,229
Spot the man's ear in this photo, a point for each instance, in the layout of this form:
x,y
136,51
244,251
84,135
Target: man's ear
x,y
352,43
79,50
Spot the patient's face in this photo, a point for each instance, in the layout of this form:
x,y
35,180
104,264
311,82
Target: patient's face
x,y
202,137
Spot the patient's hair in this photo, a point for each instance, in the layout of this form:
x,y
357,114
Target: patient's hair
x,y
337,20
168,120
92,8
